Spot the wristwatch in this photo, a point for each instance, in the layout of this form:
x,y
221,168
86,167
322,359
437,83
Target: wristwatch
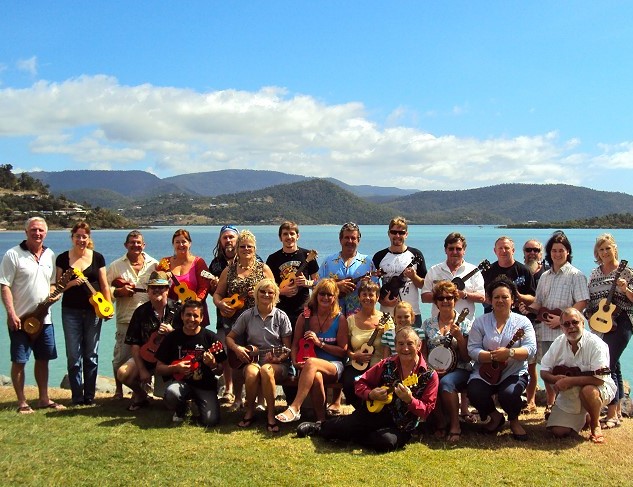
x,y
512,352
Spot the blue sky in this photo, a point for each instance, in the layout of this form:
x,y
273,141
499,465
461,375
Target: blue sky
x,y
425,95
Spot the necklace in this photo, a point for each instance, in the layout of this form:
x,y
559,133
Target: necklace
x,y
321,324
244,268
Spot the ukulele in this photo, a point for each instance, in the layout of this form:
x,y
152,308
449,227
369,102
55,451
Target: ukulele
x,y
148,350
444,357
491,372
32,322
103,307
253,354
181,289
356,280
460,282
375,405
602,320
195,361
369,346
392,287
305,348
289,280
576,372
546,313
236,302
119,283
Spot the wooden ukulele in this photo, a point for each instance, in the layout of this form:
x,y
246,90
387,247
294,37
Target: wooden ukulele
x,y
444,357
491,372
602,320
576,372
393,286
369,346
119,283
460,282
375,405
32,322
148,350
254,353
289,280
305,348
103,308
195,361
546,313
181,289
236,302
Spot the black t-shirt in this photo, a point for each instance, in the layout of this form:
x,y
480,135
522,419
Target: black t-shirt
x,y
282,264
77,296
144,322
517,273
178,345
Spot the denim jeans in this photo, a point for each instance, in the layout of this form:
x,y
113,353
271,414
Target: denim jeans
x,y
178,393
82,329
617,340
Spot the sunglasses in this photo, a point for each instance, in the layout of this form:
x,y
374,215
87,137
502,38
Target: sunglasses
x,y
327,295
398,232
445,298
531,249
567,324
247,247
266,293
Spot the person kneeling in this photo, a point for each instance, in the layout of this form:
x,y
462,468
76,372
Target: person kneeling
x,y
391,412
190,356
577,366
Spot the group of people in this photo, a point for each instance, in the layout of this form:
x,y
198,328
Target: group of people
x,y
354,320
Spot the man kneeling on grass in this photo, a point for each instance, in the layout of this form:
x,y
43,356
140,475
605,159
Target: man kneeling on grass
x,y
190,356
399,392
577,366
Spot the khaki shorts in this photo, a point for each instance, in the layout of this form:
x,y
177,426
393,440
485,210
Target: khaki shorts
x,y
576,422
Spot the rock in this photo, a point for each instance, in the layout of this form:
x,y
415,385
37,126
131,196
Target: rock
x,y
5,380
105,385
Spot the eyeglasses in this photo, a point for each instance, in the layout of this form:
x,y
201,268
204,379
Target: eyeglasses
x,y
327,295
445,298
531,249
246,247
266,293
567,324
398,232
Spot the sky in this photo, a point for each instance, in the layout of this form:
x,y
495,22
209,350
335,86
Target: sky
x,y
413,94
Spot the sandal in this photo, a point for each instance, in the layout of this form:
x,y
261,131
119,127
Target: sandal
x,y
529,409
52,405
467,418
135,406
288,416
25,410
610,423
246,422
453,437
548,411
332,411
272,427
227,398
597,438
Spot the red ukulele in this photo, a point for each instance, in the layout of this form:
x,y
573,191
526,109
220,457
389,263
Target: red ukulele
x,y
305,348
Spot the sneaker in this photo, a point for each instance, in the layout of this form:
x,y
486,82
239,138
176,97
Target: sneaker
x,y
177,419
308,429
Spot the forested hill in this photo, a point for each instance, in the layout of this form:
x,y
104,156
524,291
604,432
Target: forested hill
x,y
511,203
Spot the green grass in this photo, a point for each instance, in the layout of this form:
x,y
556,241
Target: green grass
x,y
107,445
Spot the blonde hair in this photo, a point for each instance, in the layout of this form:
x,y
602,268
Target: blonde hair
x,y
602,239
266,282
325,285
406,306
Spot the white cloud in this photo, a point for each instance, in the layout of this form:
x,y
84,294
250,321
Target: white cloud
x,y
96,122
28,65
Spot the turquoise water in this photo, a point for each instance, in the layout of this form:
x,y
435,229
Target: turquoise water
x,y
429,239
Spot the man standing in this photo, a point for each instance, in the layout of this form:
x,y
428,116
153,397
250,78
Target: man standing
x,y
560,287
348,267
187,351
455,266
512,270
150,323
577,395
225,250
402,270
285,263
533,259
126,275
27,277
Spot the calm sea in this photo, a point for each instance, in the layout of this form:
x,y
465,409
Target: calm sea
x,y
429,239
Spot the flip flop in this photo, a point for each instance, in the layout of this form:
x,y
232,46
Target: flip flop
x,y
272,427
452,437
598,439
227,398
25,410
292,416
246,422
135,406
609,424
53,405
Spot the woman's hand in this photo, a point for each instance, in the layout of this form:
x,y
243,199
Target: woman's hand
x,y
361,357
500,354
312,336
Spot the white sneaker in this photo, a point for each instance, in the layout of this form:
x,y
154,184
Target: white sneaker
x,y
177,419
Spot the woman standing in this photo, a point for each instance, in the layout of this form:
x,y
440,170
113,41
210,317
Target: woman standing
x,y
601,279
361,327
437,331
489,346
237,282
82,325
186,268
263,327
326,330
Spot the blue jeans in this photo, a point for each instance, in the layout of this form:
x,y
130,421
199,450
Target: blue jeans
x,y
617,340
508,392
178,393
82,329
